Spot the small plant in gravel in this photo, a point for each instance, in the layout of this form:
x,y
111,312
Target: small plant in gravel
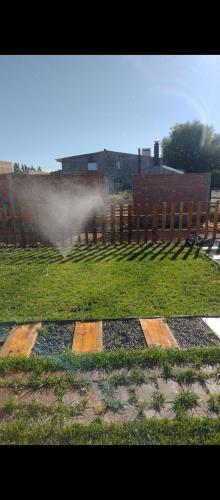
x,y
8,407
117,380
157,402
132,400
141,407
108,392
190,376
136,377
214,404
113,404
183,402
167,372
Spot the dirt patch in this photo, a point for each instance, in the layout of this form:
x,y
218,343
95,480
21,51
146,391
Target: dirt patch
x,y
53,339
192,332
123,334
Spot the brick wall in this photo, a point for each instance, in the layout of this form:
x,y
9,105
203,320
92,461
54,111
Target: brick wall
x,y
13,187
150,188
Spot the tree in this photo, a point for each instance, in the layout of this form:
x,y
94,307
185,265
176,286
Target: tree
x,y
192,147
39,169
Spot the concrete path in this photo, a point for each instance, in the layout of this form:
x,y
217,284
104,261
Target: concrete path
x,y
212,250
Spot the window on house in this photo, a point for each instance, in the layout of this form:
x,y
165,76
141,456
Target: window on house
x,y
118,165
92,165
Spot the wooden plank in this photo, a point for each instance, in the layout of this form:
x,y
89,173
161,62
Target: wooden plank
x,y
189,221
94,229
155,223
137,209
87,337
22,231
12,220
4,225
157,333
198,218
172,219
215,219
20,341
180,228
31,234
145,223
129,223
207,223
103,229
112,224
164,215
121,224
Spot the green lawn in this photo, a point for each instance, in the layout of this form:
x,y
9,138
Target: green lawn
x,y
107,281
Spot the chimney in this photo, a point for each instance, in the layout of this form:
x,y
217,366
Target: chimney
x,y
156,153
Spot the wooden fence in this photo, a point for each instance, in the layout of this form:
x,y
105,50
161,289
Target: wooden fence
x,y
116,224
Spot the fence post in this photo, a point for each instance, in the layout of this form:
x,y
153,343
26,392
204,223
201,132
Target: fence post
x,y
137,224
103,229
129,223
112,224
121,224
207,223
145,208
215,219
23,240
189,221
155,223
198,218
4,226
172,219
164,215
12,220
94,229
180,228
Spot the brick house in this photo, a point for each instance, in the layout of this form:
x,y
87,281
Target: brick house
x,y
118,168
6,167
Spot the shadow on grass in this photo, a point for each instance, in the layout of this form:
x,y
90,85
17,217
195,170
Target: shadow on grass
x,y
97,253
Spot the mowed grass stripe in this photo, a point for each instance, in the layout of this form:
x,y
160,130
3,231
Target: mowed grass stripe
x,y
21,340
87,337
157,333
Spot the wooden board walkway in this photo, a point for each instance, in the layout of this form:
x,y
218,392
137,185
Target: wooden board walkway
x,y
20,341
157,333
87,337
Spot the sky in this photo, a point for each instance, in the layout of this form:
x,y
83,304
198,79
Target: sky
x,y
61,105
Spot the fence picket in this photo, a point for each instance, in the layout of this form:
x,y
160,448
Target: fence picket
x,y
94,232
164,215
145,224
112,224
103,229
13,228
180,228
172,220
22,232
129,223
4,226
198,218
137,209
216,213
121,225
189,221
155,223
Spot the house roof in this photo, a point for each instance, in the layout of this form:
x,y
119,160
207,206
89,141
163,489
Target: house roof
x,y
177,171
95,153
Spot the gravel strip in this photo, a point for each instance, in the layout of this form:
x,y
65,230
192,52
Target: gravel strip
x,y
4,333
53,339
192,332
123,334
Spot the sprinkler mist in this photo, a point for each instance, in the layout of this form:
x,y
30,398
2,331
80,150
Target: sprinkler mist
x,y
60,216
